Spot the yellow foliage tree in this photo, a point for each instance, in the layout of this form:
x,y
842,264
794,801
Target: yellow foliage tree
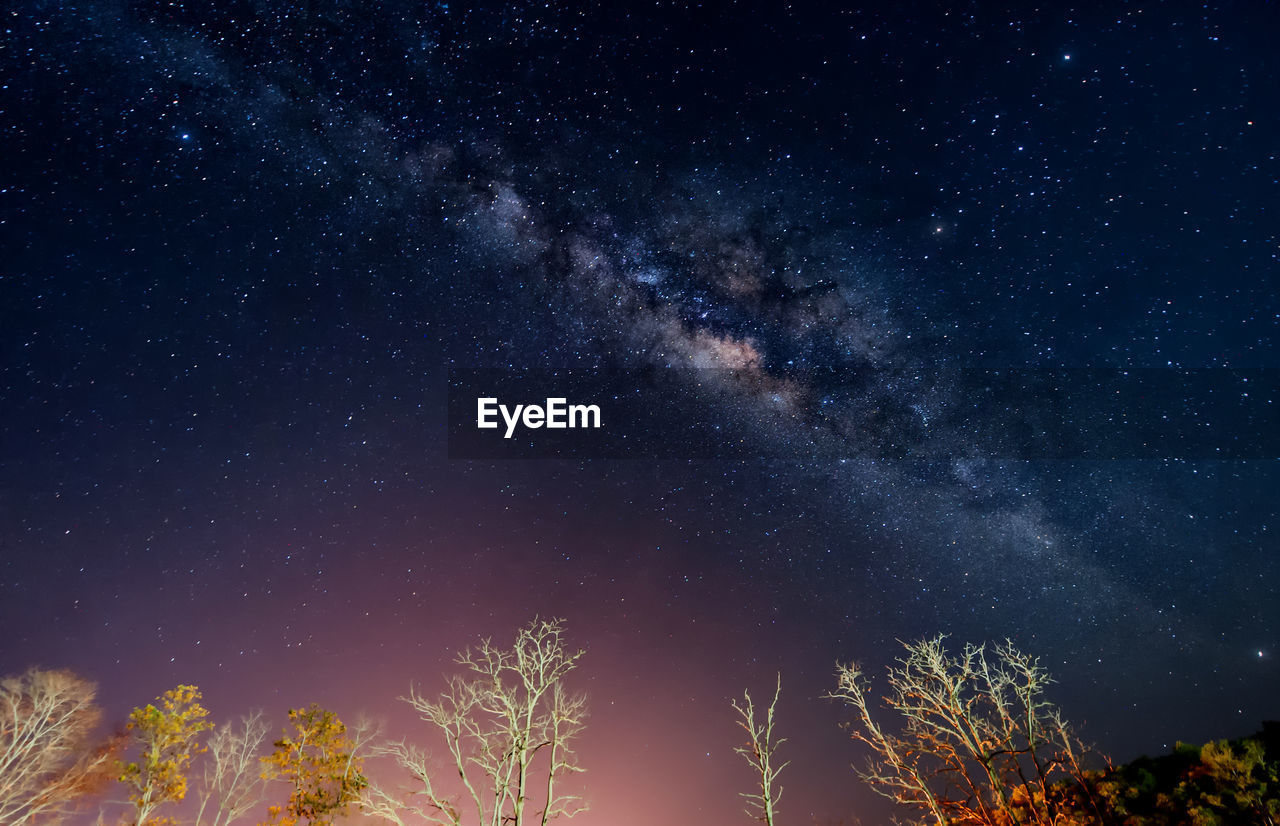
x,y
323,765
168,732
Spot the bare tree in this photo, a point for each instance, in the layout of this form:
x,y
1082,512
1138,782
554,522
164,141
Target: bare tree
x,y
759,751
234,783
509,725
979,743
401,808
47,757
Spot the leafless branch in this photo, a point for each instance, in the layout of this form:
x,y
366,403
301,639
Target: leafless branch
x,y
233,783
759,751
47,759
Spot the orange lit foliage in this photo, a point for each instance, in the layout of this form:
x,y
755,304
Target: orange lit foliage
x,y
168,732
319,760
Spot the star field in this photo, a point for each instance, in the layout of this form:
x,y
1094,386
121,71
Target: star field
x,y
244,244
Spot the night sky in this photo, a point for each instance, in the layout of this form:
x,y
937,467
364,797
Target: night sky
x,y
244,242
